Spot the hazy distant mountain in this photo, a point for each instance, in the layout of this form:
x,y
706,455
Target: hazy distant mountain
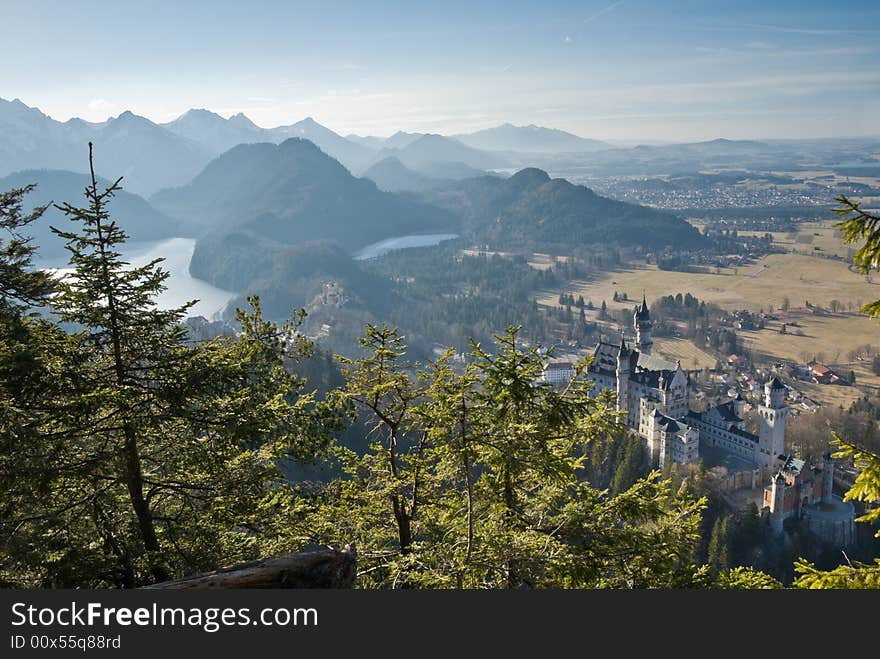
x,y
715,147
533,211
353,156
391,175
133,213
294,192
216,133
529,139
425,151
149,156
369,141
401,140
450,171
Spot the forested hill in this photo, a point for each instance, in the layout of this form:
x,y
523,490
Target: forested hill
x,y
530,210
284,276
293,192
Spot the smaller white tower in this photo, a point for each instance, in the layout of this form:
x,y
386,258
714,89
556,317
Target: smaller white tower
x,y
827,478
777,502
771,436
623,371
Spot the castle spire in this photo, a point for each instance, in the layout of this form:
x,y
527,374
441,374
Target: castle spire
x,y
643,326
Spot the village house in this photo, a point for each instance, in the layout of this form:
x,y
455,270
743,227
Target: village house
x,y
821,374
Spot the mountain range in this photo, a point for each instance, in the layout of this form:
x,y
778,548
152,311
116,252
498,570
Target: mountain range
x,y
531,210
529,139
153,156
294,192
147,155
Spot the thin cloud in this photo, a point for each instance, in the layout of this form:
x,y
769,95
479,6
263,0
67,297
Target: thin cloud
x,y
811,31
566,39
602,12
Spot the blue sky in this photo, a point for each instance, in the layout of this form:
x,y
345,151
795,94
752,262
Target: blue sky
x,y
622,70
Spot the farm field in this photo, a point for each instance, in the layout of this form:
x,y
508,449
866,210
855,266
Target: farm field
x,y
767,283
808,237
538,260
683,350
830,394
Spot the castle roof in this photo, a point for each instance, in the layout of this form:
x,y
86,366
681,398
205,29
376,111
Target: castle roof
x,y
775,383
732,429
558,366
655,363
669,424
606,354
793,466
642,312
652,378
728,412
645,369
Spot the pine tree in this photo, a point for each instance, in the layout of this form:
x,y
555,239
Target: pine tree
x,y
30,377
164,452
719,552
629,466
491,469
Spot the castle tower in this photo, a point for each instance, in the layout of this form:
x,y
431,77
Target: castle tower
x,y
643,326
623,372
827,478
771,437
777,502
624,367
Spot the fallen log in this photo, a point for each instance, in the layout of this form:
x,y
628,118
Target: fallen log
x,y
319,569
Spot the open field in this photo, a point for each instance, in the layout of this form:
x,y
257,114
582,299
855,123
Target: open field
x,y
766,283
808,237
683,350
830,394
538,260
828,339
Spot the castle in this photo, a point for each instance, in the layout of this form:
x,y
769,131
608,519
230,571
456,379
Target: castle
x,y
803,491
653,394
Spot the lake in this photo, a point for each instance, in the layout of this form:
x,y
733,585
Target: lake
x,y
182,286
402,242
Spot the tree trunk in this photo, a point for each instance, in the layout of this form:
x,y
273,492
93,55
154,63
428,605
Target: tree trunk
x,y
404,529
321,569
135,483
